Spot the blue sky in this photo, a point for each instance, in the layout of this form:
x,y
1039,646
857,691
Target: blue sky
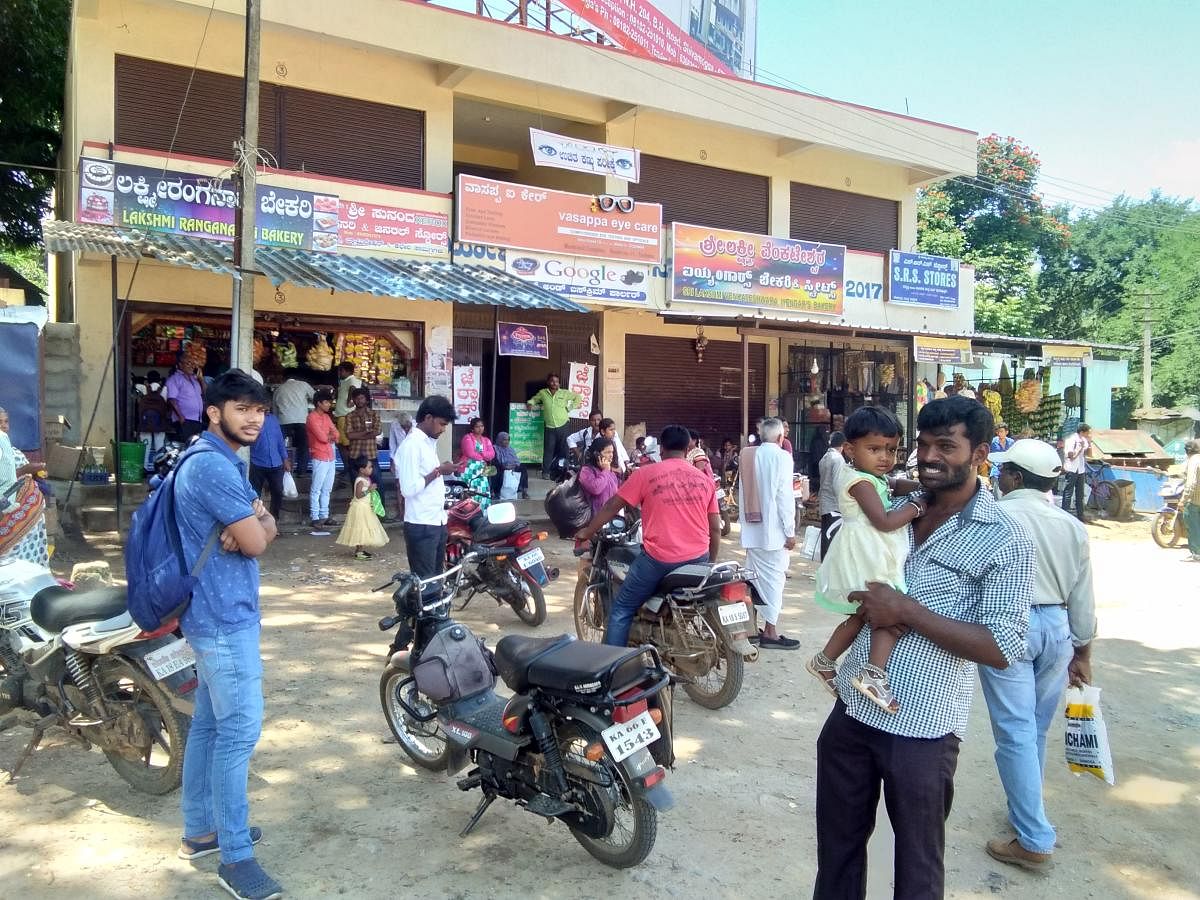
x,y
1107,94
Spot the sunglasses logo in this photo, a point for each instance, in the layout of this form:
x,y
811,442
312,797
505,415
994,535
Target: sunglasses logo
x,y
608,202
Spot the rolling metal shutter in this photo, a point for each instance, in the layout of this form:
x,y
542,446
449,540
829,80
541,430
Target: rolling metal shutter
x,y
840,217
349,138
704,195
664,385
150,99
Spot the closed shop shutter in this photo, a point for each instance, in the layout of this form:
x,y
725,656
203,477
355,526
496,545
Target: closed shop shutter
x,y
704,195
840,217
664,385
349,138
150,100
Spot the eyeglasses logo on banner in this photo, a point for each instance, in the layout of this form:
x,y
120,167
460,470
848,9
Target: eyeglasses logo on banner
x,y
609,202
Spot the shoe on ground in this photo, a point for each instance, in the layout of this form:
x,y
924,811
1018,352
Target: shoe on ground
x,y
1009,850
331,522
780,642
246,880
189,849
363,554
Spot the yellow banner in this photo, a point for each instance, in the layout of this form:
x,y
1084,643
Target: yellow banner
x,y
942,350
1066,355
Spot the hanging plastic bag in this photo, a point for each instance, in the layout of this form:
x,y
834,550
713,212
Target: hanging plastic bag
x,y
377,504
811,548
511,485
1087,738
290,491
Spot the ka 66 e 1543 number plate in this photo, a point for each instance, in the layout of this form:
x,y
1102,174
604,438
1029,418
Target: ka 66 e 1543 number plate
x,y
626,738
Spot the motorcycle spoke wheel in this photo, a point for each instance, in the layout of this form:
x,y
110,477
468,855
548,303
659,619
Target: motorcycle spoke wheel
x,y
422,741
721,684
1165,531
128,691
589,617
634,821
531,605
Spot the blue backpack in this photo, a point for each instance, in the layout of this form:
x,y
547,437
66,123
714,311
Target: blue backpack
x,y
160,585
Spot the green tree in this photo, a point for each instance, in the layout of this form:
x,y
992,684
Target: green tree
x,y
33,52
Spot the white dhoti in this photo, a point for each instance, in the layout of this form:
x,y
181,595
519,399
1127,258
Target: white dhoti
x,y
770,571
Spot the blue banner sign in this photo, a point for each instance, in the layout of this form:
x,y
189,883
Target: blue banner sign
x,y
923,280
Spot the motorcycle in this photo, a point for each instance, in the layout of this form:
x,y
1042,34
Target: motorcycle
x,y
584,739
727,504
518,575
79,661
1168,527
698,618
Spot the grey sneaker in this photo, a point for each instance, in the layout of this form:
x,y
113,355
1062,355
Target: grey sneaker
x,y
246,880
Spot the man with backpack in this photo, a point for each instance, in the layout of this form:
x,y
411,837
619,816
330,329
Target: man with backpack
x,y
154,416
224,528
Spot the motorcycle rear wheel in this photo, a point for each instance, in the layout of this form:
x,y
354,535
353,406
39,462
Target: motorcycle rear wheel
x,y
1165,530
589,617
635,821
714,690
160,770
422,741
531,608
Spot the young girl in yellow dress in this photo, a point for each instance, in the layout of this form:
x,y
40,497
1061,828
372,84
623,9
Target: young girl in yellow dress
x,y
871,546
362,528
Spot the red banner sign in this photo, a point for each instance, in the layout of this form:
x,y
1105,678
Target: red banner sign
x,y
642,29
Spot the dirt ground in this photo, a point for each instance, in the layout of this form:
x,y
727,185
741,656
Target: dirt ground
x,y
345,814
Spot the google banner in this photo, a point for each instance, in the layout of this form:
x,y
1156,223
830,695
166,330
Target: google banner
x,y
713,265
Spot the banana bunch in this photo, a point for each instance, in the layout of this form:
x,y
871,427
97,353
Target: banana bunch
x,y
1028,395
285,354
320,355
384,362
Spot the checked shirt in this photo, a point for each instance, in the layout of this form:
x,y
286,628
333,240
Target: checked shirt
x,y
976,567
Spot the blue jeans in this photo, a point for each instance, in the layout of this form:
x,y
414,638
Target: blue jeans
x,y
225,728
323,471
644,576
1022,701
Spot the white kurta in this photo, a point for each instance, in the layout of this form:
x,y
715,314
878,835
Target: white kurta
x,y
763,541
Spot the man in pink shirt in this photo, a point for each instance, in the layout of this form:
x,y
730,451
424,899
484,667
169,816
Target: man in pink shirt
x,y
680,525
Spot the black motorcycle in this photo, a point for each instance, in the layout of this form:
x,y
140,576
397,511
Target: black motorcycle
x,y
584,739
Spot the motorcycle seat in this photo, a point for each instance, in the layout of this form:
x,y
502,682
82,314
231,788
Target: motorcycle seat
x,y
57,608
688,576
564,665
485,532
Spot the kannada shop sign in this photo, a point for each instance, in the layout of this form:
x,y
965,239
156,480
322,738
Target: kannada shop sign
x,y
561,152
955,351
712,265
580,278
923,280
113,193
516,339
502,214
394,229
644,30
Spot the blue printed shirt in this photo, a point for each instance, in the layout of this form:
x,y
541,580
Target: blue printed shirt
x,y
212,490
268,452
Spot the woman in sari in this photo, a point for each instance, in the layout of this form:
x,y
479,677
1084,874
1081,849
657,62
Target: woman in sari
x,y
22,512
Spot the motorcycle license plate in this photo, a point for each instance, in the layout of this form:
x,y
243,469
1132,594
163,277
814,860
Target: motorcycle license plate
x,y
626,738
720,493
166,661
732,613
532,558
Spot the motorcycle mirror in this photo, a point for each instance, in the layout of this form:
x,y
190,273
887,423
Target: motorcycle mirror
x,y
501,514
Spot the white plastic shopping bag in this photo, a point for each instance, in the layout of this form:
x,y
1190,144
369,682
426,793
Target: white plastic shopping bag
x,y
811,549
510,485
290,491
1087,738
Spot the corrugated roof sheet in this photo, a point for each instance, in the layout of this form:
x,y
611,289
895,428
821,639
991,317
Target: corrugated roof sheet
x,y
1125,442
383,276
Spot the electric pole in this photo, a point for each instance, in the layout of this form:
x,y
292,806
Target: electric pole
x,y
1147,332
241,344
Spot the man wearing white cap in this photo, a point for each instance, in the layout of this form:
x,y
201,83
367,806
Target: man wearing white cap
x,y
1023,699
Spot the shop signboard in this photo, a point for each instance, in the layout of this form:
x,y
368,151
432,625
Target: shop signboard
x,y
502,214
953,351
394,229
582,381
1066,355
714,265
561,152
467,383
525,432
151,199
646,31
922,280
580,278
515,339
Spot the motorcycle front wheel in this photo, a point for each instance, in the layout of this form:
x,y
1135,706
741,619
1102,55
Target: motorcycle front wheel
x,y
634,822
1165,529
589,616
422,741
154,732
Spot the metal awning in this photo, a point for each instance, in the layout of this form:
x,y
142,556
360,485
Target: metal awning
x,y
379,275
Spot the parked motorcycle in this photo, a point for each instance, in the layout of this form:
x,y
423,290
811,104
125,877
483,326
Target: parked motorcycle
x,y
583,739
727,504
698,618
79,661
1169,528
517,575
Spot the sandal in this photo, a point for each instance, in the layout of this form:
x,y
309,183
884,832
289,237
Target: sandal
x,y
825,669
363,554
872,683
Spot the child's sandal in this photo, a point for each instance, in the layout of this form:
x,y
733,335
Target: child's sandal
x,y
872,683
825,670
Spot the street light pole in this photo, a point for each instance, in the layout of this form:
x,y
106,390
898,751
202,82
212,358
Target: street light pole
x,y
241,344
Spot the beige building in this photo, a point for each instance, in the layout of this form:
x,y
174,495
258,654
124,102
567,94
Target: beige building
x,y
382,105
